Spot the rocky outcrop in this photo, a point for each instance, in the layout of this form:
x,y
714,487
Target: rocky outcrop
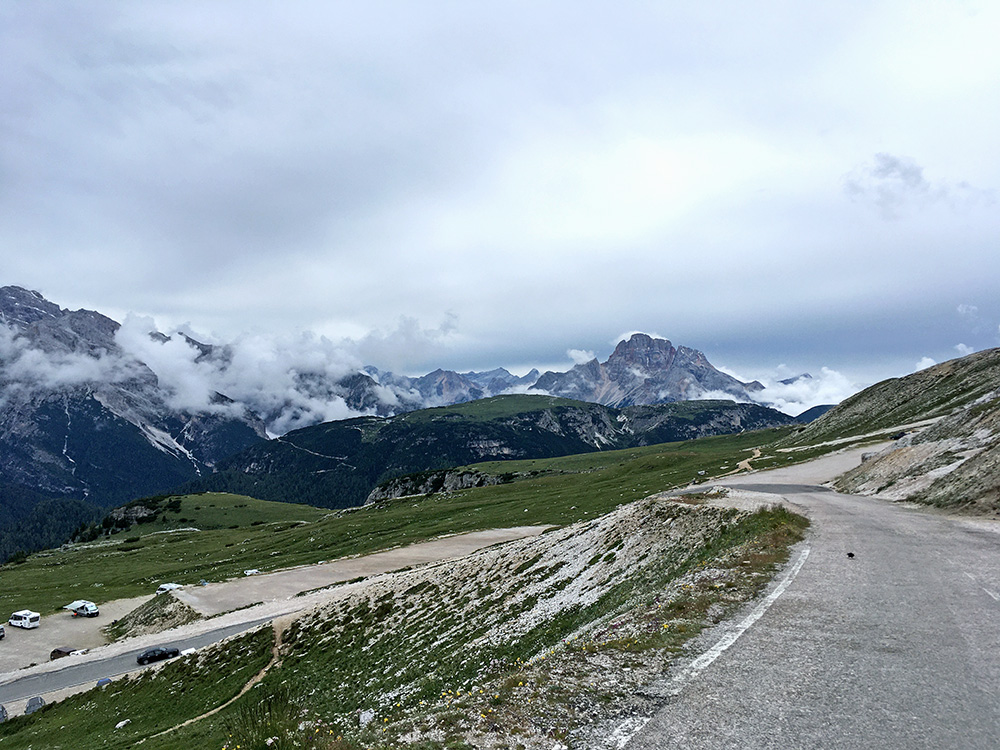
x,y
645,370
952,463
431,482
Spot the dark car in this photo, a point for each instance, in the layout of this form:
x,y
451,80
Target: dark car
x,y
59,653
156,654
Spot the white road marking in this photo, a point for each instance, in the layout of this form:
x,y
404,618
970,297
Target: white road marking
x,y
706,659
630,727
994,596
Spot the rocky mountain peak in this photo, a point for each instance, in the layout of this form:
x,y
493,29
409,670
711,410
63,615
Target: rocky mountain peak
x,y
644,370
21,307
644,353
51,328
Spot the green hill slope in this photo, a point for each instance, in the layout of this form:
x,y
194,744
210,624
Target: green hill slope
x,y
927,394
215,536
337,464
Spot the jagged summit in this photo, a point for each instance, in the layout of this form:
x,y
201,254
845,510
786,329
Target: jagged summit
x,y
23,307
645,370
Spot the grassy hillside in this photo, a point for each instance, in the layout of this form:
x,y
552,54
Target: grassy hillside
x,y
212,536
930,393
337,464
217,536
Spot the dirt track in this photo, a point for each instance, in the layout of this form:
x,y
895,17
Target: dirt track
x,y
284,584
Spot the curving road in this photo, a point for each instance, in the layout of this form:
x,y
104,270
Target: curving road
x,y
895,647
90,672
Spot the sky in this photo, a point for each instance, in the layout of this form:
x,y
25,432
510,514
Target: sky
x,y
788,187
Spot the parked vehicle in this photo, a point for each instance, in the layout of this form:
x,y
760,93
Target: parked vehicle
x,y
165,587
158,653
83,608
25,618
103,681
3,633
34,704
3,712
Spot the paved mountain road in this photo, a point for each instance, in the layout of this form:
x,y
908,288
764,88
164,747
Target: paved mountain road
x,y
897,647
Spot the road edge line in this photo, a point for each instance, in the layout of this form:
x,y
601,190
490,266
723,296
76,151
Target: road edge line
x,y
624,733
705,660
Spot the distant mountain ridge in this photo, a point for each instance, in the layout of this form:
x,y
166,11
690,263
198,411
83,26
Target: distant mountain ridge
x,y
90,414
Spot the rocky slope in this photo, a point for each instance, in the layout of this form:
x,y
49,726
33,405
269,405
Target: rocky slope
x,y
934,392
945,422
531,642
78,419
644,370
953,463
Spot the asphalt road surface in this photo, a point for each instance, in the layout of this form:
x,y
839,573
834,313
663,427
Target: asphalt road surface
x,y
895,647
90,672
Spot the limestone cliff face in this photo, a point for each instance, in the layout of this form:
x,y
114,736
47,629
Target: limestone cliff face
x,y
645,370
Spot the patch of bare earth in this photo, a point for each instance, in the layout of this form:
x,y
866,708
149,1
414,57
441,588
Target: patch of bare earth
x,y
162,612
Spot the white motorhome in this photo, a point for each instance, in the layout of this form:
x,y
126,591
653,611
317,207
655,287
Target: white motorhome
x,y
83,608
26,619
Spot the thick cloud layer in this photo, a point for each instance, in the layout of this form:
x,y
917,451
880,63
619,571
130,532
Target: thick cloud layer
x,y
768,182
288,382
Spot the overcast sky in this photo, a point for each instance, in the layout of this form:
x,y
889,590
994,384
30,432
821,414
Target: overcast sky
x,y
471,185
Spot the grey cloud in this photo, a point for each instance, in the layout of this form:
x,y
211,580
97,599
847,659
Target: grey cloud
x,y
30,369
896,184
409,341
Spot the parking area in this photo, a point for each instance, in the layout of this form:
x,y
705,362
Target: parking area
x,y
24,648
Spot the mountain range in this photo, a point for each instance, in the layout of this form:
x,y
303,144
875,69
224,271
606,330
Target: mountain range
x,y
81,419
95,413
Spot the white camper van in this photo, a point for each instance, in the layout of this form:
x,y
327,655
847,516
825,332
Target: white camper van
x,y
83,608
25,618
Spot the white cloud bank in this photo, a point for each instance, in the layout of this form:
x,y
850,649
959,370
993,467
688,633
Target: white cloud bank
x,y
795,393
